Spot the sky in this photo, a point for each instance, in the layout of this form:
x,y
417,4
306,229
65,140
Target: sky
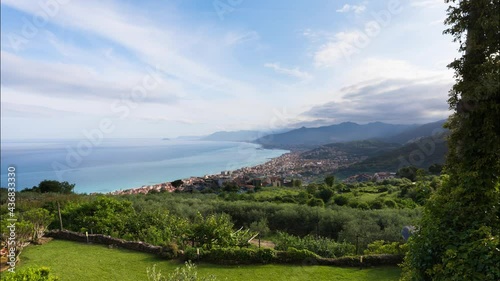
x,y
172,68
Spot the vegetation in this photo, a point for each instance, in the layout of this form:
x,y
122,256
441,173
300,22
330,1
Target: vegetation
x,y
323,247
459,235
52,186
186,273
30,274
81,262
310,223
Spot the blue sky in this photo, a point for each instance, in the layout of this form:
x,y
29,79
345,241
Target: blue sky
x,y
186,67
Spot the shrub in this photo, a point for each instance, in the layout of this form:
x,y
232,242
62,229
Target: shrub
x,y
186,273
327,248
293,255
240,256
390,203
170,251
341,200
31,274
382,247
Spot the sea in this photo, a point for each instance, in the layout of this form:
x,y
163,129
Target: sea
x,y
116,164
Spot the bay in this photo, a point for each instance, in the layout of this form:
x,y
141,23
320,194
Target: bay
x,y
123,163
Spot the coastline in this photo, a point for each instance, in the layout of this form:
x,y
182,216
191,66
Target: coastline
x,y
224,176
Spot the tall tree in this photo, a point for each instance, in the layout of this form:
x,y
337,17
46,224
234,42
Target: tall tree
x,y
459,235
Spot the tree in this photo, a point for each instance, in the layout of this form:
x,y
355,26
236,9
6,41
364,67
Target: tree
x,y
40,219
408,172
325,194
177,183
212,230
296,183
55,186
231,186
23,235
330,180
435,169
459,235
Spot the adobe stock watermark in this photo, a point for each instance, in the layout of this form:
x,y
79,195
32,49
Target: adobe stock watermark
x,y
121,109
363,37
223,7
32,25
426,147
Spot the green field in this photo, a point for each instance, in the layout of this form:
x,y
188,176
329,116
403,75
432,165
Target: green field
x,y
76,261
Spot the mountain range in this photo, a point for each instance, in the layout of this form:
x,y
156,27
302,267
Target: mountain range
x,y
343,132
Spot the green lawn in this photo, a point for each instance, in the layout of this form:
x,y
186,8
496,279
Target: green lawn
x,y
76,261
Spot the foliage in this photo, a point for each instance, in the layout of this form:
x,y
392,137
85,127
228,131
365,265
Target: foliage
x,y
322,246
52,186
226,255
186,273
40,219
105,215
382,247
459,235
435,169
409,172
65,259
30,274
260,226
212,230
293,255
330,180
23,230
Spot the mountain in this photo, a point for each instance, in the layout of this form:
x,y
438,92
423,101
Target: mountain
x,y
238,136
421,153
344,132
413,134
365,148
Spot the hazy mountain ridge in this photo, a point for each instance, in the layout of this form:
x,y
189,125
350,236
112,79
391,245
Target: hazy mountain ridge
x,y
414,134
422,154
354,148
343,132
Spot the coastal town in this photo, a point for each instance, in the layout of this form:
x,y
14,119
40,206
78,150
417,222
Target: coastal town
x,y
290,169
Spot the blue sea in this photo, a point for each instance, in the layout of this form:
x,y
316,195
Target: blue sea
x,y
123,163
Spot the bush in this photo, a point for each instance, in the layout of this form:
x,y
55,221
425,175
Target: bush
x,y
31,274
382,247
293,255
186,273
341,200
327,248
364,261
170,251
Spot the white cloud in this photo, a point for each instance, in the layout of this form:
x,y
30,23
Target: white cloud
x,y
235,38
168,119
427,3
135,32
294,72
389,90
74,81
342,46
352,8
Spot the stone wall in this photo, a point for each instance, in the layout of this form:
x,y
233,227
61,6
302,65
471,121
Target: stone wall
x,y
106,240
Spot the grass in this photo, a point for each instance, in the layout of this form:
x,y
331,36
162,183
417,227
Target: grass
x,y
77,261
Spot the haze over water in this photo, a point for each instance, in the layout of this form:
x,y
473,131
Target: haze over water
x,y
126,163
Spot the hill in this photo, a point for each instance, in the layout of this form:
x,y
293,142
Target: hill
x,y
365,148
344,132
413,134
422,154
